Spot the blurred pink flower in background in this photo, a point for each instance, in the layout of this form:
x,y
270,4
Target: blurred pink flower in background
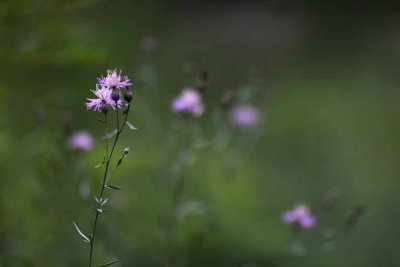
x,y
81,141
299,214
189,101
245,116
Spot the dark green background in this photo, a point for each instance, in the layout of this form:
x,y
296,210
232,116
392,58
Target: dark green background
x,y
324,75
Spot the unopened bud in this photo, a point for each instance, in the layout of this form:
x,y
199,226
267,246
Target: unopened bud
x,y
128,95
227,99
104,109
115,95
202,80
354,214
329,201
126,151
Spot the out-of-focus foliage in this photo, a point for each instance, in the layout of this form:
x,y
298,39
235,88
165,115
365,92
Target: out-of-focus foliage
x,y
198,192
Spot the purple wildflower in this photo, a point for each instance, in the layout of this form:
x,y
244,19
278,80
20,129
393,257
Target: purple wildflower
x,y
103,98
114,80
189,101
81,141
299,214
245,116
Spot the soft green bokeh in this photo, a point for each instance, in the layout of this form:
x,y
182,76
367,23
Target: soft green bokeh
x,y
324,76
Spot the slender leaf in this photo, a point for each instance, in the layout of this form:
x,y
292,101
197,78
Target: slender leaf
x,y
104,202
110,134
108,264
113,187
97,210
99,165
130,125
80,232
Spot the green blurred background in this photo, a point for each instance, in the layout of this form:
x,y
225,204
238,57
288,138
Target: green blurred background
x,y
324,75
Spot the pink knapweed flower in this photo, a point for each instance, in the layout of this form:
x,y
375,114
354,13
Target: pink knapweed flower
x,y
189,101
103,98
299,214
245,116
81,141
114,80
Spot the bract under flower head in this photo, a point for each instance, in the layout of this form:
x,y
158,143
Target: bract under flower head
x,y
189,101
103,98
114,80
299,214
81,141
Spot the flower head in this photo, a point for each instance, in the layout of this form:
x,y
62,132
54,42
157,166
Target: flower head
x,y
81,141
103,98
245,116
189,101
114,80
299,214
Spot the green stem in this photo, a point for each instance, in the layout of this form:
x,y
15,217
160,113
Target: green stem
x,y
103,184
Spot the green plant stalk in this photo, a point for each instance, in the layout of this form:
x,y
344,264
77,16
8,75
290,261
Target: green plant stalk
x,y
103,184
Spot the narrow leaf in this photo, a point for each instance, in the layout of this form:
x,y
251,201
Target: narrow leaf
x,y
130,125
104,202
119,162
113,187
97,210
111,134
99,165
80,232
108,264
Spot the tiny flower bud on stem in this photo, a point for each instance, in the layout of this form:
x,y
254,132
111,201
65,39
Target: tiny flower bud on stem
x,y
115,95
128,95
104,109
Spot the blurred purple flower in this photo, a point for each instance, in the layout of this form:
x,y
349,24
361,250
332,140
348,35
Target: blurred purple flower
x,y
114,80
299,214
189,101
245,116
81,141
103,98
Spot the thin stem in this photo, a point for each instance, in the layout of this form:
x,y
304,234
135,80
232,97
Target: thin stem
x,y
103,184
116,108
106,131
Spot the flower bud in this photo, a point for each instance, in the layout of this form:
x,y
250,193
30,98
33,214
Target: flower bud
x,y
227,99
128,95
104,109
202,81
354,214
115,95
